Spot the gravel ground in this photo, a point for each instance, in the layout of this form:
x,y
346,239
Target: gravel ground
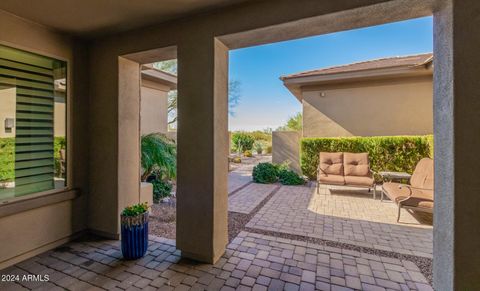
x,y
162,219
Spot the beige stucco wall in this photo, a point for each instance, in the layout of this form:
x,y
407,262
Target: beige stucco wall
x,y
154,103
7,110
8,107
286,148
60,120
29,232
394,107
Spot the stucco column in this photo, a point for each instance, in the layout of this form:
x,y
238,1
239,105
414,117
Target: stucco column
x,y
457,143
202,148
128,134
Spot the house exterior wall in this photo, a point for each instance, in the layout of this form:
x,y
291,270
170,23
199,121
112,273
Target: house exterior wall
x,y
8,109
8,98
35,223
153,107
60,118
373,108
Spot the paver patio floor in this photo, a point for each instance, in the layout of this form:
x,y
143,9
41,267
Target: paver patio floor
x,y
289,238
252,261
344,215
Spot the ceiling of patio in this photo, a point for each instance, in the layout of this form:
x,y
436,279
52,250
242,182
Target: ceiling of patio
x,y
90,18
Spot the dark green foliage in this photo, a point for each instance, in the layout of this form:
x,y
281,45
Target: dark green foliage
x,y
135,210
161,189
265,173
289,177
242,141
387,153
159,155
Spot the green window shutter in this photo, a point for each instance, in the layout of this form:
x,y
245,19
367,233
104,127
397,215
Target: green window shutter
x,y
33,77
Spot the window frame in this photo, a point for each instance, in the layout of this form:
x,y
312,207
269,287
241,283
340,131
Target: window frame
x,y
68,137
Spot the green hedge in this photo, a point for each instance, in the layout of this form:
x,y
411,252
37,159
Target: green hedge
x,y
387,153
7,157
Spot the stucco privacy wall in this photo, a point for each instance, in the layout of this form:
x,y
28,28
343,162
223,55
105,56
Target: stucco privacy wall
x,y
51,220
286,148
373,108
195,33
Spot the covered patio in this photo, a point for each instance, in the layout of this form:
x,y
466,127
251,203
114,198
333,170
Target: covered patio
x,y
287,238
104,45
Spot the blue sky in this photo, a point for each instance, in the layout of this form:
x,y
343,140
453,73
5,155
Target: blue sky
x,y
265,102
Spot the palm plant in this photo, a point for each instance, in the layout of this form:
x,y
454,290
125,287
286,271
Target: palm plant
x,y
159,155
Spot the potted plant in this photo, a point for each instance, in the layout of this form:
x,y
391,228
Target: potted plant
x,y
134,231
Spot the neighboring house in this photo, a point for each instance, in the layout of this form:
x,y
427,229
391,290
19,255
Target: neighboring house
x,y
154,99
383,97
390,96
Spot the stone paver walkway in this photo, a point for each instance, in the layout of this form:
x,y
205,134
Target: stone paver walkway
x,y
287,238
353,219
241,174
237,180
245,200
252,262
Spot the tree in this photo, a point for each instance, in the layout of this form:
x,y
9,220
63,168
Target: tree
x,y
170,66
159,155
293,123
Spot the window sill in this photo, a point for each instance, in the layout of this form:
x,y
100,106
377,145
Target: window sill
x,y
21,204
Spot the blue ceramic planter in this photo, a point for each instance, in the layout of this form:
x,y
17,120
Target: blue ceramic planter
x,y
134,236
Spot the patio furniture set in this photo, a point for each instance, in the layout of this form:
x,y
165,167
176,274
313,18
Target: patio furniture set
x,y
353,170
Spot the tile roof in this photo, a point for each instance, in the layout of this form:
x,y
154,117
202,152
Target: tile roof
x,y
405,61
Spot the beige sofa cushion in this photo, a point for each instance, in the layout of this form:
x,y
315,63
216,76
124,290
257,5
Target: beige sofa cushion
x,y
359,181
330,164
422,177
331,179
356,164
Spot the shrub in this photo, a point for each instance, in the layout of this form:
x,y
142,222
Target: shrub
x,y
386,153
161,189
159,155
237,160
242,141
289,177
268,149
261,136
7,159
60,143
248,154
265,173
258,147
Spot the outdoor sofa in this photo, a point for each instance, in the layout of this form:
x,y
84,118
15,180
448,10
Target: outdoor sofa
x,y
345,169
418,195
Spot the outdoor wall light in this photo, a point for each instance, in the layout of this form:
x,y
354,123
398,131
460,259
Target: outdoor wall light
x,y
9,123
322,94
